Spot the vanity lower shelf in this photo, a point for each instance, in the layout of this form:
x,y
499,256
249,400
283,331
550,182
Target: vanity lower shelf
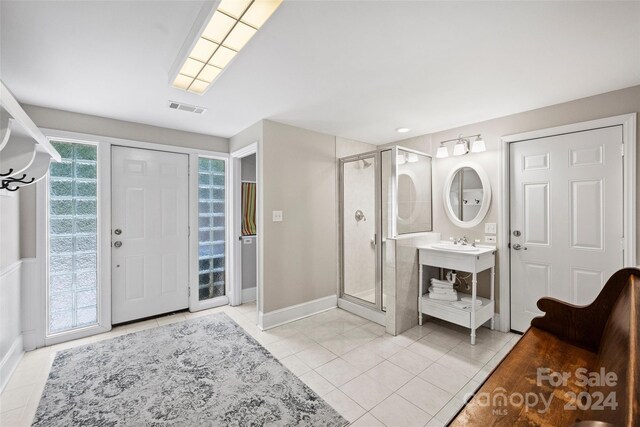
x,y
460,316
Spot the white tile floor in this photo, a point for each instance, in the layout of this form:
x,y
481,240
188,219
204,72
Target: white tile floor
x,y
373,379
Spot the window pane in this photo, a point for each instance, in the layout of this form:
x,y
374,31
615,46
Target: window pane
x,y
73,236
211,232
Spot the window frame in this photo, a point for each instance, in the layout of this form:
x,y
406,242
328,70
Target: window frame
x,y
103,257
194,302
35,310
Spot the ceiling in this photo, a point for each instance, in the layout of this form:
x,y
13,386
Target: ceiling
x,y
356,69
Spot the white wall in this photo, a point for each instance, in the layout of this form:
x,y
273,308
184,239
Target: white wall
x,y
300,253
10,286
605,105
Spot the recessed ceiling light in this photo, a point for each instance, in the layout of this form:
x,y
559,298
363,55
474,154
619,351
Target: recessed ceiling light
x,y
403,130
230,28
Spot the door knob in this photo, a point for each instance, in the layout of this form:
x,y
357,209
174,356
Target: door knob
x,y
518,246
118,231
117,244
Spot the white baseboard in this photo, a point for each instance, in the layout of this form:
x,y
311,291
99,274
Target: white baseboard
x,y
369,314
289,314
10,361
249,295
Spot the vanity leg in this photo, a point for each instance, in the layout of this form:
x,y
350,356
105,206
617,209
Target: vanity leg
x,y
420,290
493,279
474,292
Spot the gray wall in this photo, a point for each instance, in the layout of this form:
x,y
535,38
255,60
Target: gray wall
x,y
605,105
93,125
248,168
298,178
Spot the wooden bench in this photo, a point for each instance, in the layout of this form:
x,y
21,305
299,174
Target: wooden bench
x,y
602,337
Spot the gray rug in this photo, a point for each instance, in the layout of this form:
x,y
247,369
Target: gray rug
x,y
201,372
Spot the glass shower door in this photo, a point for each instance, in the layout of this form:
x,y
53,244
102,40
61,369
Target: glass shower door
x,y
359,230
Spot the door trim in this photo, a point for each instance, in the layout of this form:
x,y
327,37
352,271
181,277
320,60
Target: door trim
x,y
104,144
628,123
235,202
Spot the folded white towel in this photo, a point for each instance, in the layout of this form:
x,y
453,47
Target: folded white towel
x,y
468,300
441,282
441,291
443,297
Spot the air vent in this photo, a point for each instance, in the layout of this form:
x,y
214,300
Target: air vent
x,y
186,107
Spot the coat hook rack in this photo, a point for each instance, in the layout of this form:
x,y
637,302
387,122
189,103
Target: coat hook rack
x,y
12,181
8,173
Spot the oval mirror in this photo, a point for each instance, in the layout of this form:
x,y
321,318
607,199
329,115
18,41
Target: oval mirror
x,y
467,195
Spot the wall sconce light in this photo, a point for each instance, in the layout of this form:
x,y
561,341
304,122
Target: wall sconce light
x,y
462,146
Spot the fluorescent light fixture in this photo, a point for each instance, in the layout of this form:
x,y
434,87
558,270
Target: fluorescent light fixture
x,y
209,73
239,36
403,130
478,145
222,57
182,82
191,67
234,8
218,27
402,159
198,86
259,12
460,148
230,28
442,152
203,50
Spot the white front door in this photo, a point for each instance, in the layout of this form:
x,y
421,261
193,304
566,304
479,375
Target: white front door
x,y
149,233
566,218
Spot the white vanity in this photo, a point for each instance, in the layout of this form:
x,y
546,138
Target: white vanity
x,y
465,259
466,198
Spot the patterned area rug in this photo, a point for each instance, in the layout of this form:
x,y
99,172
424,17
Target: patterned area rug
x,y
201,372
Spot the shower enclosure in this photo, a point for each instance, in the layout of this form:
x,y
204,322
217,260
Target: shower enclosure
x,y
384,194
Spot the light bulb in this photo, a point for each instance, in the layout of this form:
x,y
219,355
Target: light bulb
x,y
460,149
442,152
478,146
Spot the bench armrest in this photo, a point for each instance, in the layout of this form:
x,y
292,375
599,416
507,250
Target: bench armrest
x,y
583,325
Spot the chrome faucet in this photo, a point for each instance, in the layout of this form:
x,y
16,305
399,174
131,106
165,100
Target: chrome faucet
x,y
462,240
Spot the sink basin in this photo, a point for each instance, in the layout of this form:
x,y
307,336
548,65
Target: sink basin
x,y
452,247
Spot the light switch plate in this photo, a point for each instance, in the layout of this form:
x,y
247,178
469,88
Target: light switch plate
x,y
490,239
490,228
277,216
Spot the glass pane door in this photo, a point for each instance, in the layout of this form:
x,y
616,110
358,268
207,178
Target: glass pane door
x,y
211,228
359,238
73,235
412,192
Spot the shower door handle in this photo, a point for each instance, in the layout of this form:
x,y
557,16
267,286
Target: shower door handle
x,y
373,241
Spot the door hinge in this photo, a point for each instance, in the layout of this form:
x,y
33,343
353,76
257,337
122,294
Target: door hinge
x,y
188,290
622,149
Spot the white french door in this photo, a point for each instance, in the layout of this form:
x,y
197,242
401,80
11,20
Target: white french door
x,y
566,218
150,233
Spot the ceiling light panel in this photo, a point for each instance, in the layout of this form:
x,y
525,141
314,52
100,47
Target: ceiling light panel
x,y
218,27
239,36
234,8
191,67
222,57
230,28
203,50
259,12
